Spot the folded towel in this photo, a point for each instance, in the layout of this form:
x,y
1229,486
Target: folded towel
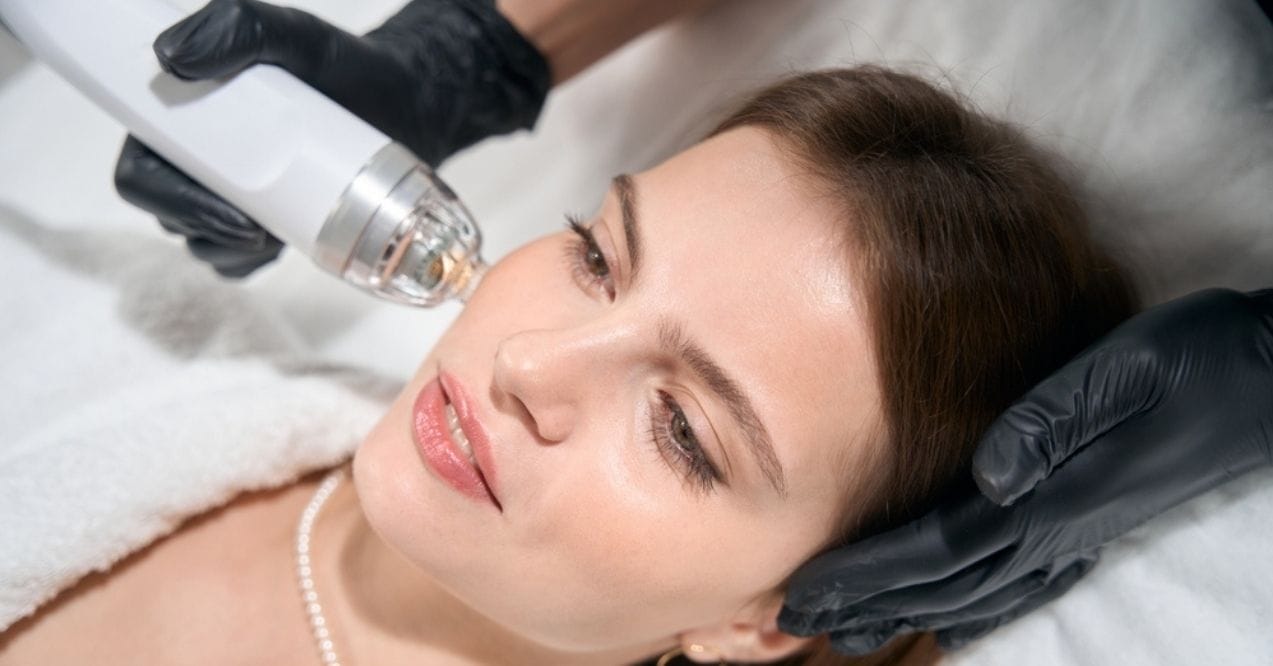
x,y
141,391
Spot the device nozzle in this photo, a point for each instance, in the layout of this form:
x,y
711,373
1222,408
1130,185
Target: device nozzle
x,y
467,283
401,233
445,275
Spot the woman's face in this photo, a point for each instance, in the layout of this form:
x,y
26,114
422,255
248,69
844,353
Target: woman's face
x,y
625,388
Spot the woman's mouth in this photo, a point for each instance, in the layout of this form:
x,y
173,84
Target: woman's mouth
x,y
450,439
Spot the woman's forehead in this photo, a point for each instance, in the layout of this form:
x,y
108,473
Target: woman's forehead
x,y
736,204
748,258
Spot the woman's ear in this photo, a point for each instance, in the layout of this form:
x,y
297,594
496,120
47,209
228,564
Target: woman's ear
x,y
753,635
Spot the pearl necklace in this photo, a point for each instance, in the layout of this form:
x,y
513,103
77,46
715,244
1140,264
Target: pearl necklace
x,y
305,575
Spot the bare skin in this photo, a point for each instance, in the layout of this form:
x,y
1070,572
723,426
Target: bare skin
x,y
181,599
574,34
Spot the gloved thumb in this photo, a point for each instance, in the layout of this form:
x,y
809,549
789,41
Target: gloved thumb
x,y
1059,417
1182,345
226,36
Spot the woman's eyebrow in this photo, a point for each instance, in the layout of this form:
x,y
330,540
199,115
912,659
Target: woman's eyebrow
x,y
675,342
626,190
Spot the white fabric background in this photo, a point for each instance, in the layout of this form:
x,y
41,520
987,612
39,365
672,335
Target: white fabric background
x,y
1164,106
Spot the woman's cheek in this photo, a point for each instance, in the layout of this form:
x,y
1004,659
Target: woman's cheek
x,y
525,290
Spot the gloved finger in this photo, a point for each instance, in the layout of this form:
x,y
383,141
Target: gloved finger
x,y
225,36
989,581
1087,397
193,231
183,206
230,262
989,603
176,226
931,548
867,640
958,630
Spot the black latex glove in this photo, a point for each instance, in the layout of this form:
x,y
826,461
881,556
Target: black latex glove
x,y
436,77
1173,402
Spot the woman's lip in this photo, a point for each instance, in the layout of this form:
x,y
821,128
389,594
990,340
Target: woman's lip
x,y
466,409
432,435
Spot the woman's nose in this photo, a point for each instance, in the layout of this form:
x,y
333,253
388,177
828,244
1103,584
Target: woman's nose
x,y
545,376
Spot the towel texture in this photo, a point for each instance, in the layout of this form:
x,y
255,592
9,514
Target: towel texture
x,y
140,391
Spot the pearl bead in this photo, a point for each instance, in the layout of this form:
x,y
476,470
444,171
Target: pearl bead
x,y
326,649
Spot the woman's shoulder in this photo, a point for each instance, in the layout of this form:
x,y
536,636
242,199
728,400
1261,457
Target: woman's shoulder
x,y
200,588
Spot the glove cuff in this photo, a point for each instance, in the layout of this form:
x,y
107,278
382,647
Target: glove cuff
x,y
516,63
1264,297
499,79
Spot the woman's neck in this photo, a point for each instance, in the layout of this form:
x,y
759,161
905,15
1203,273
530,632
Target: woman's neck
x,y
382,609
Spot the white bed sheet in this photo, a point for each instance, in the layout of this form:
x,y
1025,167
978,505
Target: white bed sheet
x,y
1165,107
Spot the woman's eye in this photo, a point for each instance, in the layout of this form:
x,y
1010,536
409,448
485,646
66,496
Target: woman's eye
x,y
682,433
596,263
587,262
674,437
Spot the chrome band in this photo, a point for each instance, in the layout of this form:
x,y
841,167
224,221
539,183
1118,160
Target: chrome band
x,y
400,233
365,197
384,234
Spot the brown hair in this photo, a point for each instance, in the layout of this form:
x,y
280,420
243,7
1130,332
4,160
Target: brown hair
x,y
978,272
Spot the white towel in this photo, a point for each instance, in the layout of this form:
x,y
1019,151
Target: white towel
x,y
141,391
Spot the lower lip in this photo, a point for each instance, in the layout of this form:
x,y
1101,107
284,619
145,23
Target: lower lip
x,y
441,454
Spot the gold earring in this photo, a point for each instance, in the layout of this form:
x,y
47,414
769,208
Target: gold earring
x,y
675,652
669,656
700,649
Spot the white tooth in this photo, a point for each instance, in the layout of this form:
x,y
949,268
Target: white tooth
x,y
458,435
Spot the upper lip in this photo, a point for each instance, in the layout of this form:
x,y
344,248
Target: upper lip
x,y
466,409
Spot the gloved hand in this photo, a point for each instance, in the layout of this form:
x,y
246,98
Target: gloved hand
x,y
436,77
1171,403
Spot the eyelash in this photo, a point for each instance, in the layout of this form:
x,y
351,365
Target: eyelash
x,y
578,252
666,416
692,460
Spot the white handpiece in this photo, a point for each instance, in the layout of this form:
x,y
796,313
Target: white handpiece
x,y
316,176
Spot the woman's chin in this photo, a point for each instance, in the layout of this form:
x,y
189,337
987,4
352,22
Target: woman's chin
x,y
407,504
